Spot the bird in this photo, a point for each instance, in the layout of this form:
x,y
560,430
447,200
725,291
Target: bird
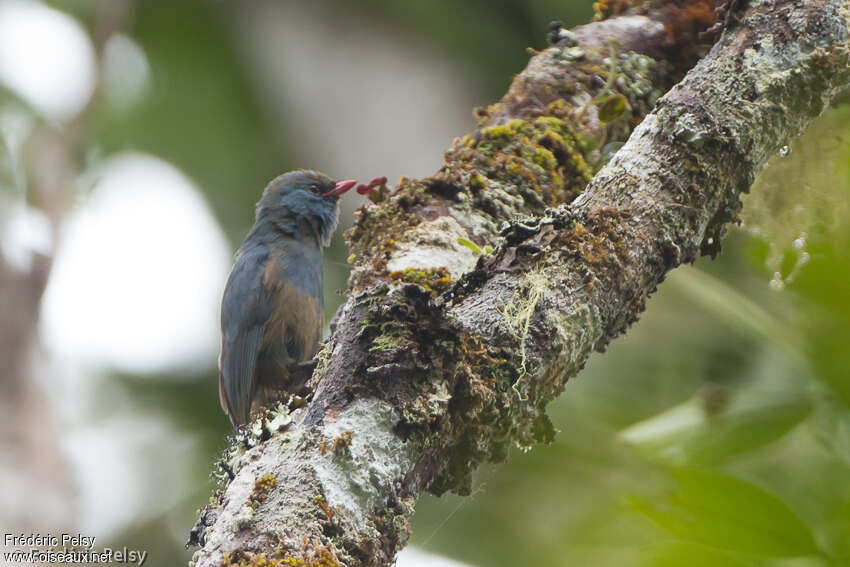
x,y
272,309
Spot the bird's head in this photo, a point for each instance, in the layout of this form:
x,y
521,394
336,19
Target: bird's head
x,y
302,203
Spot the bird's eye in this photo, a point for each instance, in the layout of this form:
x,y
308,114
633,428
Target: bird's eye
x,y
314,188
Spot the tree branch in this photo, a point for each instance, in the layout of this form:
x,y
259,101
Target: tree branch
x,y
443,356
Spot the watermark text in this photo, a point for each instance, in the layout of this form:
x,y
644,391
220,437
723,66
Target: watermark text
x,y
65,549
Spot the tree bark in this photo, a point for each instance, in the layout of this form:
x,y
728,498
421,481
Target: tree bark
x,y
446,352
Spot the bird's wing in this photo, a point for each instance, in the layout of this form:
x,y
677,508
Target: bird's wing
x,y
245,309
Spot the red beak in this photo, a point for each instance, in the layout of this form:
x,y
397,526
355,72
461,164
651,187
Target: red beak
x,y
340,188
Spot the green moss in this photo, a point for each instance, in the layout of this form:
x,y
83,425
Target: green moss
x,y
435,281
552,139
262,486
497,132
391,336
544,158
505,131
517,124
314,558
550,122
541,159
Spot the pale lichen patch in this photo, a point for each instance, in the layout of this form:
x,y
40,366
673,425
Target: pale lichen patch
x,y
432,245
357,482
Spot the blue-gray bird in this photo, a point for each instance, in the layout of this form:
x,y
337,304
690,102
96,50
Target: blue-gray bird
x,y
272,314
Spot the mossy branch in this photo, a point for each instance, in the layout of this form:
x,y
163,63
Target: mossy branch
x,y
443,356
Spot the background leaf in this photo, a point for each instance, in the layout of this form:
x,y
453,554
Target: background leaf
x,y
728,513
692,555
687,435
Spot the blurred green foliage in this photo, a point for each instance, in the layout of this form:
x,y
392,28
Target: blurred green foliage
x,y
717,432
490,35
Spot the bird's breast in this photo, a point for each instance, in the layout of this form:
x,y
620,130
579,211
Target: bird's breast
x,y
295,323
